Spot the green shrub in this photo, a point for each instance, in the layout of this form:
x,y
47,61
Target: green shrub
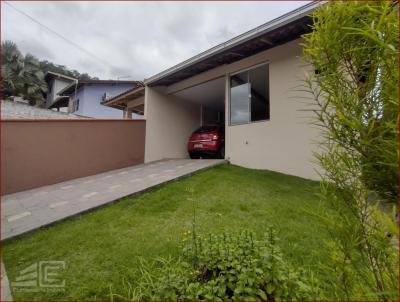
x,y
240,267
227,267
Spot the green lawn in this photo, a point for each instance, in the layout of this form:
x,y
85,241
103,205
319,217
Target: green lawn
x,y
102,248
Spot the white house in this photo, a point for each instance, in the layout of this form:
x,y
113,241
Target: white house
x,y
57,82
250,83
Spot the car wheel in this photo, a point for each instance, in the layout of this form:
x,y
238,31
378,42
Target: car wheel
x,y
193,156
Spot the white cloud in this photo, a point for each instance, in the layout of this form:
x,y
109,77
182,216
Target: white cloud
x,y
137,39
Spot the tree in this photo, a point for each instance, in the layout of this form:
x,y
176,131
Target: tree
x,y
21,76
353,81
24,75
33,77
12,64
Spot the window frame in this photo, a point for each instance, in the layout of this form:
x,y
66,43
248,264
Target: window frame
x,y
266,64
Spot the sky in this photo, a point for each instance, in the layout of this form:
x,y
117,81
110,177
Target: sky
x,y
129,40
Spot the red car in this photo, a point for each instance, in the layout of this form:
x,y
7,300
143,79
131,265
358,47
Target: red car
x,y
207,141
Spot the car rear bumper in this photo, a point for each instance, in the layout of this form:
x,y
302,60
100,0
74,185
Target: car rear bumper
x,y
203,146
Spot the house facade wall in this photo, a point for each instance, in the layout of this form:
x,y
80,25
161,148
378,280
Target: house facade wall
x,y
169,123
286,142
90,98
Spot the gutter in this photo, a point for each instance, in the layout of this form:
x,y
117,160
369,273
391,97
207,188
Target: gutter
x,y
260,30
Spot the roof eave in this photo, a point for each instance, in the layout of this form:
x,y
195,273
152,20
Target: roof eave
x,y
113,102
59,75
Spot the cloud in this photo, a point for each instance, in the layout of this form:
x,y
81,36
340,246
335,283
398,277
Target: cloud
x,y
31,46
138,39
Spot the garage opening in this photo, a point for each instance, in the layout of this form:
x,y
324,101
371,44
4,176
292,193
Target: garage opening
x,y
211,98
208,138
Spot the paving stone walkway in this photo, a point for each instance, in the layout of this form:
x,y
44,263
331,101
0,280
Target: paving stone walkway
x,y
29,210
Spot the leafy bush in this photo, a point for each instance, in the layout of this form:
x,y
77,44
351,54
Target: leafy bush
x,y
227,267
353,52
353,81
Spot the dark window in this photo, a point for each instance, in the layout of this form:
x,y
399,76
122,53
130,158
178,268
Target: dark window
x,y
239,98
249,96
259,94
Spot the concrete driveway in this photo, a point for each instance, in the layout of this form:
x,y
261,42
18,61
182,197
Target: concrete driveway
x,y
29,210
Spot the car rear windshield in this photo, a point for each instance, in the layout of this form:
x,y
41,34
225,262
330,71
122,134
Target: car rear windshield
x,y
206,129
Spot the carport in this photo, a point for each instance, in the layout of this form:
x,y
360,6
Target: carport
x,y
173,113
210,96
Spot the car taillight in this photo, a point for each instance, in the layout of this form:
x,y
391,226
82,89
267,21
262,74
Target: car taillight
x,y
214,137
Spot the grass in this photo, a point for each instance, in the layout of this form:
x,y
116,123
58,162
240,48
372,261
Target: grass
x,y
102,248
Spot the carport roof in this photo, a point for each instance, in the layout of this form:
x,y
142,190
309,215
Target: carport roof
x,y
278,31
121,100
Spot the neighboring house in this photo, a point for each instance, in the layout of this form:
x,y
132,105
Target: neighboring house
x,y
251,84
86,97
57,82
